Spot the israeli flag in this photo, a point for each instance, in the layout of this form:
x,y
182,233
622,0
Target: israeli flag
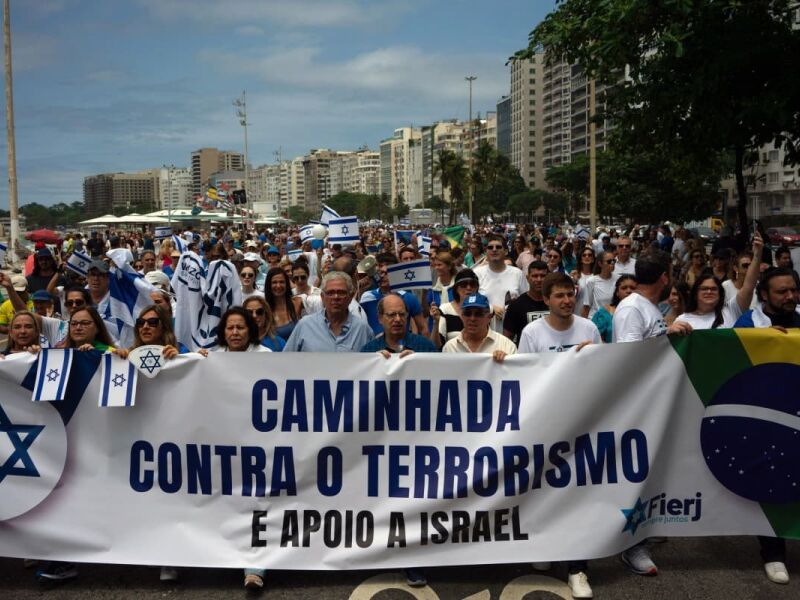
x,y
343,230
410,275
306,233
294,254
128,294
79,262
52,375
402,237
3,251
327,215
180,244
424,245
162,233
117,381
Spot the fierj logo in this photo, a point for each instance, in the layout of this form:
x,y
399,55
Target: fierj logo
x,y
661,509
750,434
33,449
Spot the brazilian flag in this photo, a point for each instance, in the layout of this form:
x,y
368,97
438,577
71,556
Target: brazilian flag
x,y
454,235
749,382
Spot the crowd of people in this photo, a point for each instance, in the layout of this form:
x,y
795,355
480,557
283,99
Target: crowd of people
x,y
501,291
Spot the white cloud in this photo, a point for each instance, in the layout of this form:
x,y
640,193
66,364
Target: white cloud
x,y
286,13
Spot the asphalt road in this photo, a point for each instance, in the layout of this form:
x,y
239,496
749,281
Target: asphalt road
x,y
691,568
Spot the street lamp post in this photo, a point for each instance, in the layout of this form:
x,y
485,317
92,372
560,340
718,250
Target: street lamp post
x,y
13,206
470,79
241,112
169,192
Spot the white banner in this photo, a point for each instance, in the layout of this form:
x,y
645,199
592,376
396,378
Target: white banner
x,y
344,461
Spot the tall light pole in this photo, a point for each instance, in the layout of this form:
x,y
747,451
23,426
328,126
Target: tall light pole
x,y
592,159
241,112
12,148
279,157
169,192
470,79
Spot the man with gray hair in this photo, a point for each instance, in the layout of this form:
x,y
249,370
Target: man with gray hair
x,y
333,329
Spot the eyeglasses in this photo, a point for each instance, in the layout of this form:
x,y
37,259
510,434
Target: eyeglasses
x,y
80,324
247,275
623,245
494,247
151,322
707,290
299,277
71,303
587,254
610,261
553,256
394,315
468,282
336,293
258,312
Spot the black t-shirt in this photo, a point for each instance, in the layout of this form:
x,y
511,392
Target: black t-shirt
x,y
95,247
40,282
787,320
522,311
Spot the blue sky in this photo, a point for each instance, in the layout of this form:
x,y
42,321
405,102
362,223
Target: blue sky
x,y
124,85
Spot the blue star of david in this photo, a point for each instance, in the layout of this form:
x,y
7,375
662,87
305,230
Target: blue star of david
x,y
150,362
345,229
52,374
118,380
21,446
81,264
410,275
634,516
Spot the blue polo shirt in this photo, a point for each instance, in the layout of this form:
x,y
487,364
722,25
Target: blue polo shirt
x,y
411,341
369,302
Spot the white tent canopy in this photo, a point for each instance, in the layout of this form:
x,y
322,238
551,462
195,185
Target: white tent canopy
x,y
105,219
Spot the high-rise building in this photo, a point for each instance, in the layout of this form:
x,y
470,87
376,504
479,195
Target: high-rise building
x,y
504,125
121,192
317,178
175,188
401,166
526,119
442,135
207,161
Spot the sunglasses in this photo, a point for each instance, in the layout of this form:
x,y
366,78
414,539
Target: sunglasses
x,y
623,245
299,277
258,312
587,254
610,261
72,303
246,275
151,322
494,247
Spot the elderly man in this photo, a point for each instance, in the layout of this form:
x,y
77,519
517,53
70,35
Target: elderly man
x,y
625,265
333,329
477,337
396,338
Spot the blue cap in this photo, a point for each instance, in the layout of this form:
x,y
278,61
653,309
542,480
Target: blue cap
x,y
476,301
273,250
41,296
317,244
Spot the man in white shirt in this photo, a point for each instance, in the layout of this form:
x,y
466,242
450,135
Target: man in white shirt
x,y
625,264
477,337
637,318
561,329
499,282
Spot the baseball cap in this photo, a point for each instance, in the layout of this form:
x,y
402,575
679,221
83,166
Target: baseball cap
x,y
476,301
465,275
41,296
273,250
42,252
251,244
100,265
252,256
19,283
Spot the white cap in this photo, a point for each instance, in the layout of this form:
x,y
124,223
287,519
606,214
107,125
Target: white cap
x,y
158,279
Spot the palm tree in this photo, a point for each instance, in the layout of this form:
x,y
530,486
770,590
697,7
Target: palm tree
x,y
452,172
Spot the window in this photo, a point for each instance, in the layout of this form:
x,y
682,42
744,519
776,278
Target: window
x,y
772,178
773,155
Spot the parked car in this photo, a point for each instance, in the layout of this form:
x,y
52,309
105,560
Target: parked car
x,y
783,236
708,235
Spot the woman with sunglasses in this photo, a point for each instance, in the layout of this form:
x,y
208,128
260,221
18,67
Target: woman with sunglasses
x,y
259,309
154,327
585,268
554,260
695,266
603,318
707,307
248,278
286,309
600,287
447,321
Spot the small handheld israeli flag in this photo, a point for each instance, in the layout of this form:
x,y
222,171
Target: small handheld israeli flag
x,y
424,245
52,375
3,251
79,262
343,231
306,233
117,381
327,215
410,275
162,233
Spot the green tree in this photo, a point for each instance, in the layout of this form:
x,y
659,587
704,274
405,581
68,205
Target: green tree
x,y
495,180
703,76
524,204
299,215
347,203
452,172
572,180
401,208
